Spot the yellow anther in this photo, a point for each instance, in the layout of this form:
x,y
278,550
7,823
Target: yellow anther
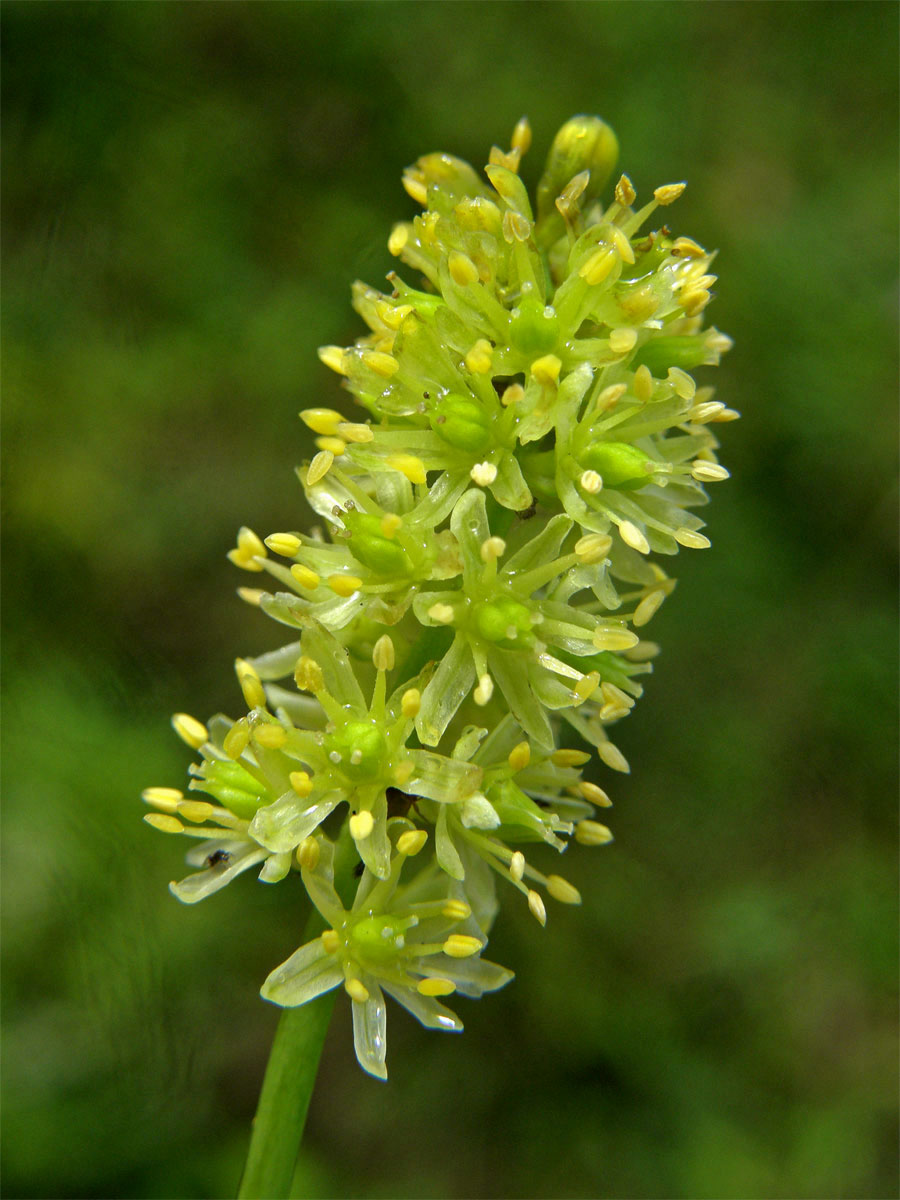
x,y
414,184
684,385
694,301
567,200
622,245
392,315
705,410
330,940
251,595
383,653
441,613
642,384
586,686
517,865
390,524
520,756
685,247
492,548
236,739
593,547
411,842
384,365
410,702
625,193
632,536
164,822
304,576
352,431
361,825
668,193
407,464
308,854
563,891
321,420
613,757
398,239
196,811
592,833
190,730
521,136
546,369
516,228
616,702
480,358
456,910
308,675
591,482
596,268
462,270
594,794
355,988
403,772
691,539
622,341
461,945
435,987
164,798
648,607
483,692
709,472
285,544
319,467
249,548
333,357
614,637
301,782
610,396
344,585
512,395
569,758
251,685
536,904
483,474
334,445
270,737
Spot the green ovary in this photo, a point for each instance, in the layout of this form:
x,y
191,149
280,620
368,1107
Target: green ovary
x,y
361,749
533,328
505,622
369,546
618,464
378,939
462,423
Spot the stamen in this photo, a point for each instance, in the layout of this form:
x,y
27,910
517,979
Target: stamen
x,y
692,539
442,613
492,548
483,474
642,384
390,524
331,941
336,445
301,782
355,432
520,756
546,369
517,866
305,577
609,396
435,987
569,758
456,910
322,420
668,193
483,692
592,833
164,822
319,467
461,945
563,891
411,842
591,482
236,739
621,341
613,757
251,595
593,547
333,357
613,638
410,702
462,270
594,794
164,798
285,544
512,395
383,653
270,737
384,365
356,990
344,585
632,536
190,730
403,772
536,904
398,239
250,684
308,675
480,359
648,607
407,464
709,472
598,266
361,825
196,811
625,193
586,686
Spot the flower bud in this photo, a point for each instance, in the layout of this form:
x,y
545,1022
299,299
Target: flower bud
x,y
583,143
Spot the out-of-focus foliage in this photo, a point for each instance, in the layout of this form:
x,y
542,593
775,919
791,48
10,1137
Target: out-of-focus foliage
x,y
189,190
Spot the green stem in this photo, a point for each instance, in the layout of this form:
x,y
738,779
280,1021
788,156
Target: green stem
x,y
291,1071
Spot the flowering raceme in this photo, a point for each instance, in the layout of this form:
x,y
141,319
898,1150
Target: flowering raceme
x,y
533,442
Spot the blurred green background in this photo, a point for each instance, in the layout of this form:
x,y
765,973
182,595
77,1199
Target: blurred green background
x,y
189,190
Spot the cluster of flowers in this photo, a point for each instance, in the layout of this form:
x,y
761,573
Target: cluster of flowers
x,y
533,436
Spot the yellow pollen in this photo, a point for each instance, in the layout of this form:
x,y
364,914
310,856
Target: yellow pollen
x,y
190,730
251,685
270,737
517,865
361,825
344,585
164,798
411,842
625,193
668,193
685,247
632,536
512,395
301,783
333,357
596,268
355,988
546,369
304,576
435,987
285,544
461,945
483,691
621,341
586,686
410,702
403,772
481,357
442,613
164,822
384,365
249,549
648,607
569,758
251,595
592,833
456,910
319,467
594,794
236,739
492,548
330,941
196,811
692,539
593,547
308,675
563,891
407,464
398,239
520,756
462,270
483,474
383,653
536,904
321,420
613,637
613,757
591,482
335,445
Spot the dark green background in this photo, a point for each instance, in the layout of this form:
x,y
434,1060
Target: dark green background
x,y
189,191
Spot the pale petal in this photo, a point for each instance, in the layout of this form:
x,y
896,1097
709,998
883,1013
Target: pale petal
x,y
308,973
370,1031
426,1009
204,883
